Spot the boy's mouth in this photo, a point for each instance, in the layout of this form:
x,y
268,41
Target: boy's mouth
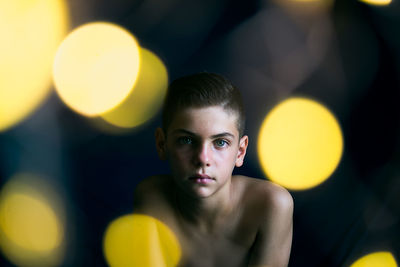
x,y
201,179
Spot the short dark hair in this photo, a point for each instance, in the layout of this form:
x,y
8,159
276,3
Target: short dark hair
x,y
202,90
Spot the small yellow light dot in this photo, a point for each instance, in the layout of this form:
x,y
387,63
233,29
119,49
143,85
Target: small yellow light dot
x,y
377,2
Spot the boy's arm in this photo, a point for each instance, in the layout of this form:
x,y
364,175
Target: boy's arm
x,y
138,196
144,195
274,238
149,197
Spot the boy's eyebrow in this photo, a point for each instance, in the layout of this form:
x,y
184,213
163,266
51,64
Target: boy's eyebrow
x,y
224,134
183,131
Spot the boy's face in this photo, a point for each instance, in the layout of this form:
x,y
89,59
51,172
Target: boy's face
x,y
202,146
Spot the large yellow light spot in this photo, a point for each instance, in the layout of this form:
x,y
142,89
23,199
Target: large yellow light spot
x,y
30,33
377,2
300,144
31,229
140,240
146,98
377,259
96,67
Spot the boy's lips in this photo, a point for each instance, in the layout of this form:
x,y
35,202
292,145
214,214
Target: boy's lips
x,y
201,178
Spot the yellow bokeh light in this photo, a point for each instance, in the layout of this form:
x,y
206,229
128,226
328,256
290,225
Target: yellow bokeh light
x,y
147,96
140,240
300,144
376,259
96,67
30,32
31,228
377,2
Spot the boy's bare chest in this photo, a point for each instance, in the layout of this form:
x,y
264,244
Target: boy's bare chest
x,y
229,245
212,251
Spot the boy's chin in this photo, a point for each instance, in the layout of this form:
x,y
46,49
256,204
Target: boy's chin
x,y
203,192
199,192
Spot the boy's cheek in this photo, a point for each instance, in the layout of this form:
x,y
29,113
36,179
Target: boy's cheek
x,y
177,160
180,153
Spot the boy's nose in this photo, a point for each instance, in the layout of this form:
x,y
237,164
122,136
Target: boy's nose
x,y
203,155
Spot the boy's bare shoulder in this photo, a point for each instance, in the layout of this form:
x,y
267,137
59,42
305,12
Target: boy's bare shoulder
x,y
266,195
149,184
149,192
271,206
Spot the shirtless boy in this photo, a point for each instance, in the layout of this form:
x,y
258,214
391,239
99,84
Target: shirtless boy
x,y
220,219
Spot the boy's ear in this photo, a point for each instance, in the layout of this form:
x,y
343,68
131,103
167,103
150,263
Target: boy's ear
x,y
160,143
243,143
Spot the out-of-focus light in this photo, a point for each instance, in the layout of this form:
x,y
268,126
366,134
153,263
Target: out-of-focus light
x,y
31,223
377,2
140,240
96,67
300,144
30,32
377,259
146,98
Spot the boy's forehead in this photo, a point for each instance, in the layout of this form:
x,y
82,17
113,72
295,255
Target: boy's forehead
x,y
213,118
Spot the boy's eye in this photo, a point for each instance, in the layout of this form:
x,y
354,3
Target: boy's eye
x,y
220,143
185,140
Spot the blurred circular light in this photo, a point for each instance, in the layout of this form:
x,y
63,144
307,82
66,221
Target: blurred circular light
x,y
31,230
140,240
300,144
96,67
377,2
31,32
146,98
377,259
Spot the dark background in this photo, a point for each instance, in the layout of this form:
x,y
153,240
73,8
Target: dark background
x,y
345,55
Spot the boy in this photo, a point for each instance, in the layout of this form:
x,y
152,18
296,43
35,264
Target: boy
x,y
220,219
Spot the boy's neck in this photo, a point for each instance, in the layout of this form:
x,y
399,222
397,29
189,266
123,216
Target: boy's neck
x,y
207,213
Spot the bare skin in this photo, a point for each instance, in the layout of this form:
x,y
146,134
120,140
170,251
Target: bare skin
x,y
219,219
